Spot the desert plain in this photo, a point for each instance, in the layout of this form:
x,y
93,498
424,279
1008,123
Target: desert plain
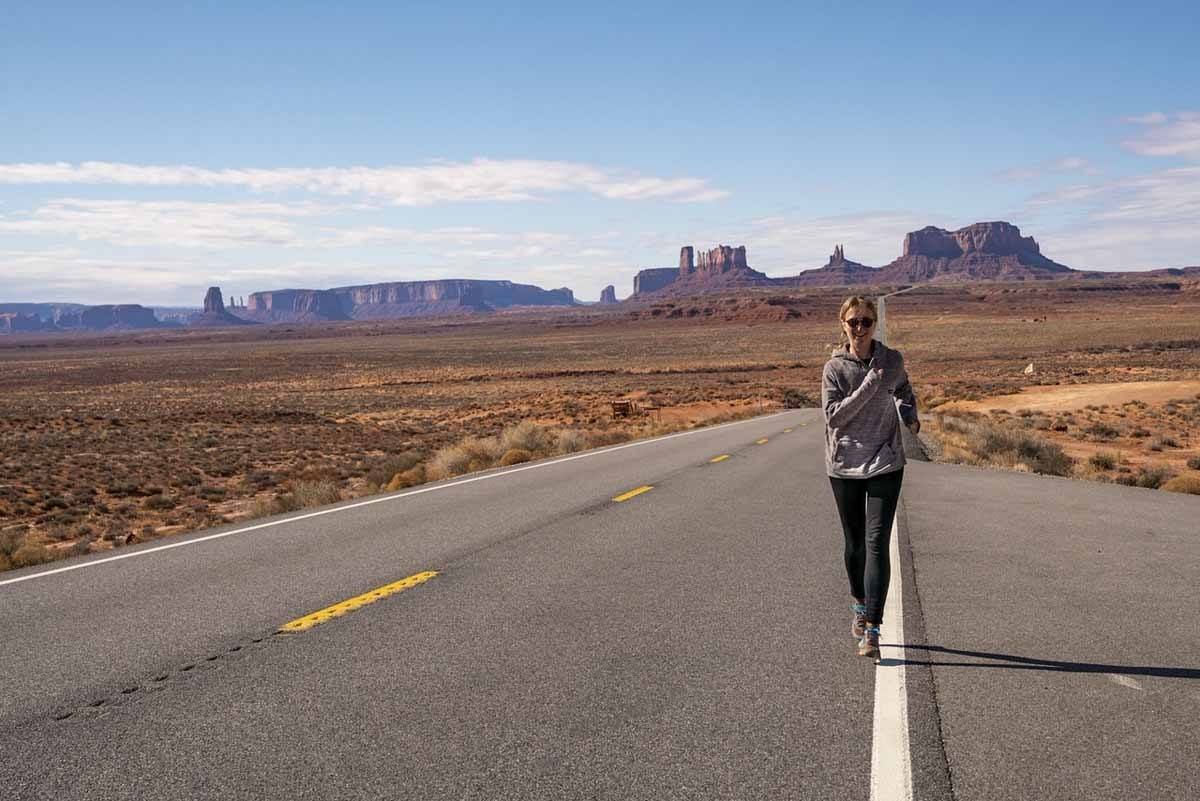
x,y
110,439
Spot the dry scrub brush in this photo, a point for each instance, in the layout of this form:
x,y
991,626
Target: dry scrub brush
x,y
979,441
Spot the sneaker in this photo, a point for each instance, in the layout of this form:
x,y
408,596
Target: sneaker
x,y
859,624
869,644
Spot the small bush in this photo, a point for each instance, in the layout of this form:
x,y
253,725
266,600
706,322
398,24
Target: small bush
x,y
1103,461
1187,484
313,493
1101,431
473,453
30,554
1153,477
515,456
159,502
1194,462
795,399
409,478
525,435
569,440
1162,441
382,473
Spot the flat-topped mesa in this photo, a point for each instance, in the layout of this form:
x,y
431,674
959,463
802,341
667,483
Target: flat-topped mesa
x,y
608,295
398,299
989,238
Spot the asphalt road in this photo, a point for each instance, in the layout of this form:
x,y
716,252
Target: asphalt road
x,y
689,642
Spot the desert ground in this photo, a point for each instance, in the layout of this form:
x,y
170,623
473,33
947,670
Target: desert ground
x,y
116,438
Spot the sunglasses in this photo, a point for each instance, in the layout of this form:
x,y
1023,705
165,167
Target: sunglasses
x,y
855,322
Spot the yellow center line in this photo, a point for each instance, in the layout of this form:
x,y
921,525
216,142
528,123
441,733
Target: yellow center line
x,y
787,430
633,493
762,441
357,602
720,458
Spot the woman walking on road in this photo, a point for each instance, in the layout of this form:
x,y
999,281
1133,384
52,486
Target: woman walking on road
x,y
865,392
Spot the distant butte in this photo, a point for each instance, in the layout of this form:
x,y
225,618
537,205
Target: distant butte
x,y
215,315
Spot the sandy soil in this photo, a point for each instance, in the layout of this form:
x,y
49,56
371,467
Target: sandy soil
x,y
1070,398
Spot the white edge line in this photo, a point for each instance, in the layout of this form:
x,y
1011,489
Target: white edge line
x,y
384,499
891,755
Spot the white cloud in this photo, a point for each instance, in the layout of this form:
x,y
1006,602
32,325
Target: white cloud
x,y
442,182
1165,137
182,224
1062,166
872,238
1127,224
1153,118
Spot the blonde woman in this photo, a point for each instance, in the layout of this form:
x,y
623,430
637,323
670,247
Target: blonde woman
x,y
865,393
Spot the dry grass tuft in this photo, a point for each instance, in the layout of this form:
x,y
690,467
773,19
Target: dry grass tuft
x,y
515,456
979,441
1188,484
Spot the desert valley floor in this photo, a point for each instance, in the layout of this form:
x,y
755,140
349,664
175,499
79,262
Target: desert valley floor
x,y
114,438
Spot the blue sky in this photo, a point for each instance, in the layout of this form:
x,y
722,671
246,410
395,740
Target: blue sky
x,y
148,152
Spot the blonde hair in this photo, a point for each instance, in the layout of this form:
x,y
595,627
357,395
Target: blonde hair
x,y
853,302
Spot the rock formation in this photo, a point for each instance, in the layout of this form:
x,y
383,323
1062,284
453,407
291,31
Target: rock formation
x,y
122,317
722,267
398,299
608,295
215,315
838,271
985,250
15,323
213,303
653,279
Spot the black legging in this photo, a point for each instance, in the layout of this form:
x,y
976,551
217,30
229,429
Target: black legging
x,y
867,507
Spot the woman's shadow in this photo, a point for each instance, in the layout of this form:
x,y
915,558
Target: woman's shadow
x,y
1012,662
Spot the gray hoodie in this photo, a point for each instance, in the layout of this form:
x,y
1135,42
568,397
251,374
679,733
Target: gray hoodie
x,y
863,403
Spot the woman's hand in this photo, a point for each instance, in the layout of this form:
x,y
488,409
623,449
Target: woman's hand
x,y
915,427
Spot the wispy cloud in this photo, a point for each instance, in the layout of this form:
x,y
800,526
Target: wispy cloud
x,y
1165,136
1131,223
179,224
1063,166
873,238
424,185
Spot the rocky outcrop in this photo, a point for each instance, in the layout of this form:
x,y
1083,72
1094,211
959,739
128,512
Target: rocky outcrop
x,y
16,323
653,279
838,271
608,295
215,315
398,299
985,250
720,268
122,317
213,302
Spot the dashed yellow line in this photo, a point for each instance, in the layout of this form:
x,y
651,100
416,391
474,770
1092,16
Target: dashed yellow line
x,y
762,441
357,602
720,458
624,496
787,430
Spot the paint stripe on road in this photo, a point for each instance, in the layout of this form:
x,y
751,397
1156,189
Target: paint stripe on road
x,y
633,493
891,757
762,441
720,458
357,602
384,499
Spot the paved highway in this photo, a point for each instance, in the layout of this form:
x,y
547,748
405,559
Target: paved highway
x,y
689,640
